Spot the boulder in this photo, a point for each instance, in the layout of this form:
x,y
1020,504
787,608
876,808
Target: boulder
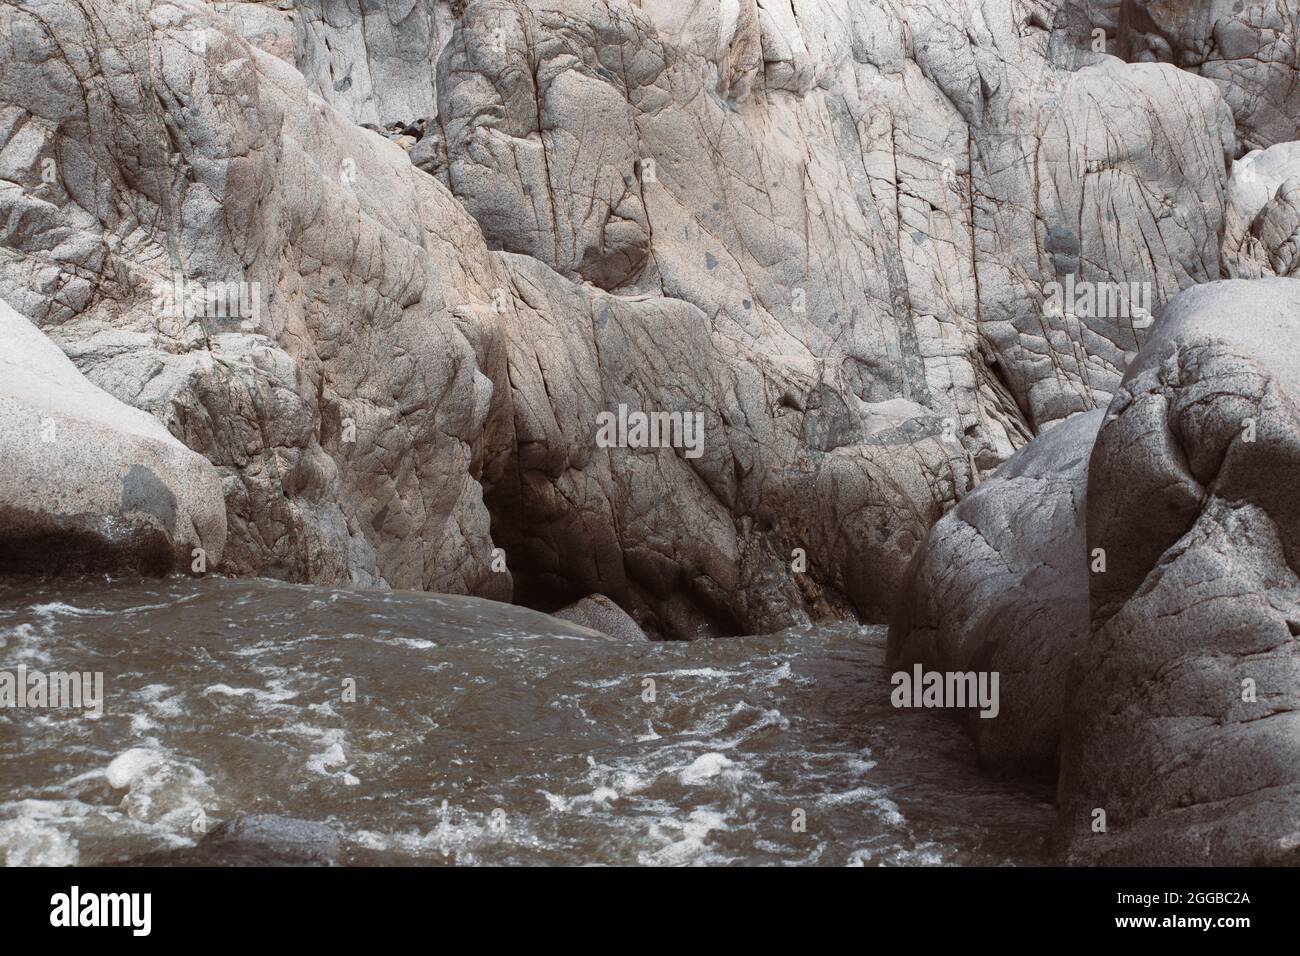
x,y
1262,230
90,483
1182,741
1247,49
598,613
1001,585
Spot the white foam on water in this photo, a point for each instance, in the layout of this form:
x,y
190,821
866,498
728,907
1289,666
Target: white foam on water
x,y
24,645
58,607
925,854
266,698
34,837
686,841
129,765
705,767
161,789
333,760
414,643
53,832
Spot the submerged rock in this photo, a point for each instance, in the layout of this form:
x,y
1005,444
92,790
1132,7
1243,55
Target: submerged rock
x,y
256,840
87,482
1001,585
281,836
1182,743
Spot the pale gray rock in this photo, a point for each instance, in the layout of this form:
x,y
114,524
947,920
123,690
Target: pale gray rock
x,y
1185,727
828,228
258,839
887,198
87,482
334,384
699,546
373,60
1249,50
1278,229
284,836
598,613
266,24
1260,232
1001,585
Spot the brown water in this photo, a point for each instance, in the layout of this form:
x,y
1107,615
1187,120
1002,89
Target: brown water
x,y
480,733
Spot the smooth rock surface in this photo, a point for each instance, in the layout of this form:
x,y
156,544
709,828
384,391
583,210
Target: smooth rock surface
x,y
87,482
1001,585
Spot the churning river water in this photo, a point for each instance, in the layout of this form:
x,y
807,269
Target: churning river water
x,y
477,733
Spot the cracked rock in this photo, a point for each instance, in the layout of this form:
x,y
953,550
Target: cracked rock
x,y
1185,727
88,483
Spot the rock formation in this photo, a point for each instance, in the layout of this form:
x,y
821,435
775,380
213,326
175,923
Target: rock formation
x,y
833,232
88,483
1249,50
1001,584
1263,221
1184,730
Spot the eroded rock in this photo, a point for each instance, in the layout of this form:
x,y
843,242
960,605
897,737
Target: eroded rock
x,y
88,483
1001,585
1249,50
830,231
1185,728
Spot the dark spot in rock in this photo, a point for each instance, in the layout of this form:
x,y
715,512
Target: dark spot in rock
x,y
142,490
377,522
710,262
1062,240
39,544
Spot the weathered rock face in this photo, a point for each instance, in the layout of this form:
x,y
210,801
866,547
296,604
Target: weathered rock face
x,y
832,233
86,482
373,61
1185,729
1001,585
1249,50
210,243
1262,231
699,541
878,207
